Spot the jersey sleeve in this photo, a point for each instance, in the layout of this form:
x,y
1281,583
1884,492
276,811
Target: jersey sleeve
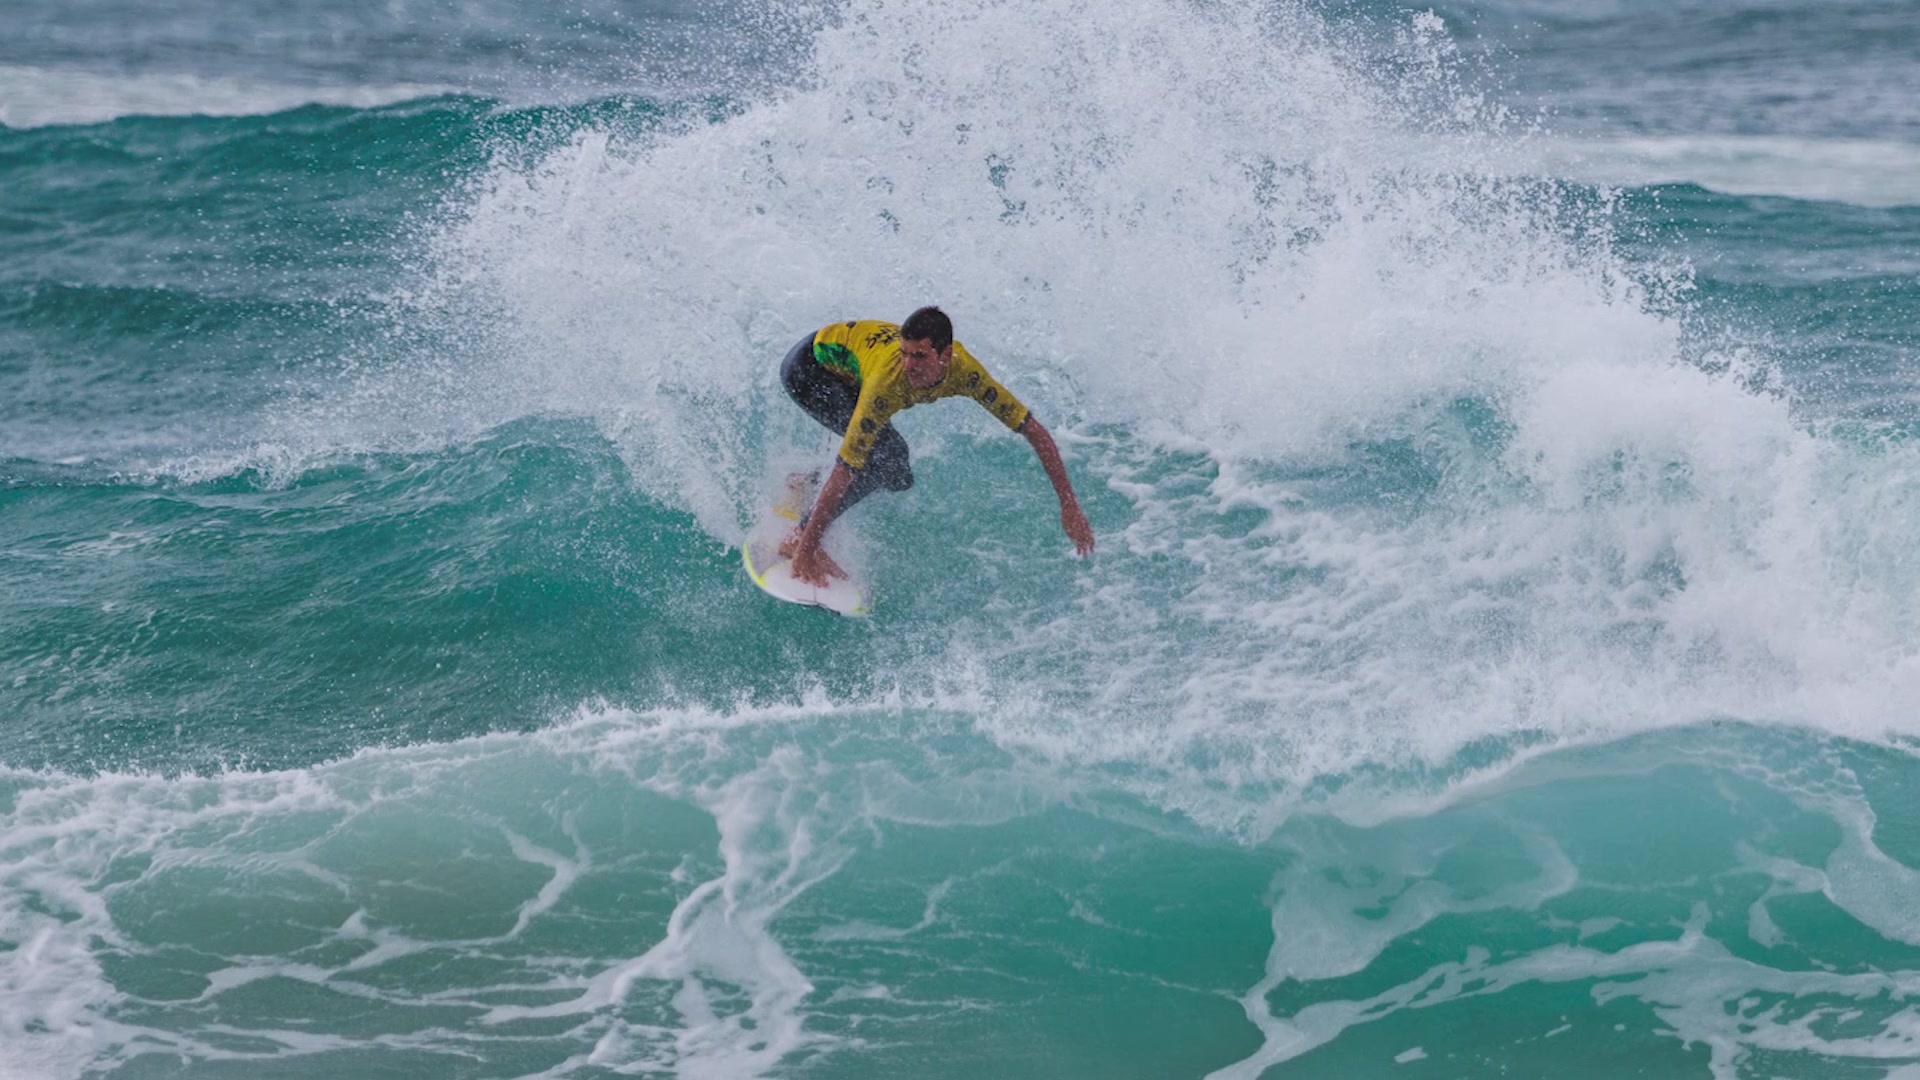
x,y
985,389
870,414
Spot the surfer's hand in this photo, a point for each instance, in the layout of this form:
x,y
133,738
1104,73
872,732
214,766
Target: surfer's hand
x,y
813,567
1075,523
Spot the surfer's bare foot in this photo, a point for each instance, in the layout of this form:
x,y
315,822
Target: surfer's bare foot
x,y
791,543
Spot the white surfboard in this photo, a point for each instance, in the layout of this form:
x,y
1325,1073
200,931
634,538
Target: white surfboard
x,y
774,575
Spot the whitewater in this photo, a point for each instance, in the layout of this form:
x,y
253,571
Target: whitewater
x,y
1500,656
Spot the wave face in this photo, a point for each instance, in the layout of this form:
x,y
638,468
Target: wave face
x,y
1500,654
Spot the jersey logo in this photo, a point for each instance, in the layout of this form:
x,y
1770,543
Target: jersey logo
x,y
837,358
886,335
866,424
991,395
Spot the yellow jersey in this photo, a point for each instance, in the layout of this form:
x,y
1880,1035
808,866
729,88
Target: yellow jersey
x,y
867,353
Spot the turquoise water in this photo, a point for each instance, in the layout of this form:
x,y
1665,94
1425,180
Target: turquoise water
x,y
1498,423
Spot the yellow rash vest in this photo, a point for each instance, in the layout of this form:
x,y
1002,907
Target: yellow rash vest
x,y
867,353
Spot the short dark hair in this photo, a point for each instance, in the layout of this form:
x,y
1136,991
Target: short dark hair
x,y
928,324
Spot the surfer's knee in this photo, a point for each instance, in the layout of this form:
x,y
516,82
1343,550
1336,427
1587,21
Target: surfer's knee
x,y
892,467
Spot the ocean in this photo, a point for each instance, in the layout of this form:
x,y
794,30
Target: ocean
x,y
1500,422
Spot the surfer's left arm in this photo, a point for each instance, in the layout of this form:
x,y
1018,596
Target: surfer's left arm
x,y
811,564
1072,518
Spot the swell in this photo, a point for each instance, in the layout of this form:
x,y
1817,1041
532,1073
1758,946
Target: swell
x,y
320,198
167,624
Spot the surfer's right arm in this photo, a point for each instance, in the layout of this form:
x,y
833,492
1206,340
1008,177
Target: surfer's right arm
x,y
810,564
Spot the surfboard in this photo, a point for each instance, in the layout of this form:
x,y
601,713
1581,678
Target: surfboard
x,y
774,575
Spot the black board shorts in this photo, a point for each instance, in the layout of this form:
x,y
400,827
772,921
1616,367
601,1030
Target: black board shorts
x,y
830,399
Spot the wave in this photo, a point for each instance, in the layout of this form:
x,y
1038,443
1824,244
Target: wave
x,y
1398,456
1394,458
34,97
722,893
1447,560
1864,172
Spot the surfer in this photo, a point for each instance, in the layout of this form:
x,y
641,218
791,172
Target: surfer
x,y
853,377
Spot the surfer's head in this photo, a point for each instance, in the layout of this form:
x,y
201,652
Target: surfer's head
x,y
931,325
926,344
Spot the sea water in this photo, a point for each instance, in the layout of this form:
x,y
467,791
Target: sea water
x,y
1498,420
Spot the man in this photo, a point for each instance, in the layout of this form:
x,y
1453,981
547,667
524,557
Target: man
x,y
853,377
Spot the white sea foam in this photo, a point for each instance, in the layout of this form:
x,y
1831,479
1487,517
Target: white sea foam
x,y
1211,197
33,97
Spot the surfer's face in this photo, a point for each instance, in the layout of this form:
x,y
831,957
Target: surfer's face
x,y
924,365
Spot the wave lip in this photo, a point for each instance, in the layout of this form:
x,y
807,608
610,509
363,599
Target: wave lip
x,y
33,97
1875,173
